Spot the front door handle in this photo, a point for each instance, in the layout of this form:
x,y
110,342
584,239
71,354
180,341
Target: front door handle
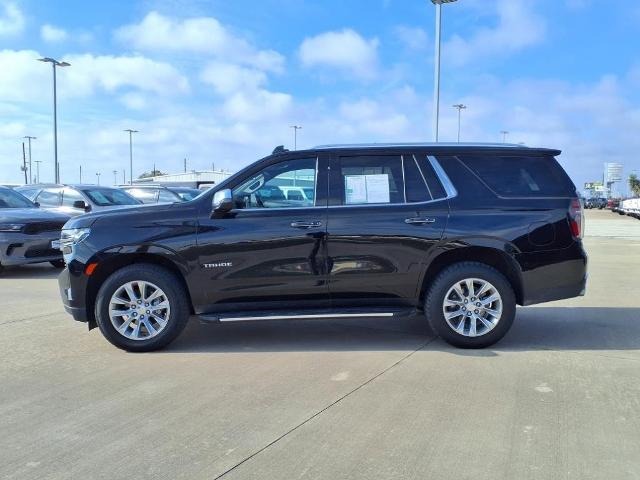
x,y
301,224
419,220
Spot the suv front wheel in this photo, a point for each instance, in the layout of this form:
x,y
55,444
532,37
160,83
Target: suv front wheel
x,y
470,305
141,308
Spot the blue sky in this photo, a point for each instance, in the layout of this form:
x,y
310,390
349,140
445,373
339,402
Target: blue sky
x,y
221,82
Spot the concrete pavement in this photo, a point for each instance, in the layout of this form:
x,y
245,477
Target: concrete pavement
x,y
559,397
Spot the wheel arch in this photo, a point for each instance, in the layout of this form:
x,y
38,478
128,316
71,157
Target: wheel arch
x,y
110,261
493,256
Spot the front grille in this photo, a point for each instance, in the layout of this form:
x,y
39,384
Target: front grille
x,y
41,252
39,227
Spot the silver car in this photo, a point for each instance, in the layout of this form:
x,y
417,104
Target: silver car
x,y
77,199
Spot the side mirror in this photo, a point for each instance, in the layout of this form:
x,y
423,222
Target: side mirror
x,y
37,204
222,201
81,205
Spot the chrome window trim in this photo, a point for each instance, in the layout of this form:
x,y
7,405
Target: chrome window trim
x,y
444,178
422,175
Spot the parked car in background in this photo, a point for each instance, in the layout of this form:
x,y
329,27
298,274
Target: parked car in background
x,y
596,202
76,199
461,233
27,232
161,193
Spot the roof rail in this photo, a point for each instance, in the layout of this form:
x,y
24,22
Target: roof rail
x,y
419,144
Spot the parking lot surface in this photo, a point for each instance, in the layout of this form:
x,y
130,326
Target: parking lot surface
x,y
559,397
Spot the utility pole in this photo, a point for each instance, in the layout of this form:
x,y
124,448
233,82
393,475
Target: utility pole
x,y
54,63
131,132
295,135
30,164
80,173
436,77
124,177
504,135
460,107
24,164
185,165
38,162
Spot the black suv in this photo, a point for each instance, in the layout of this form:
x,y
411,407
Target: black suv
x,y
460,232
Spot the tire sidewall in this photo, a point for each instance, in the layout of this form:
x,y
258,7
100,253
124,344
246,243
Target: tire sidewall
x,y
446,280
167,282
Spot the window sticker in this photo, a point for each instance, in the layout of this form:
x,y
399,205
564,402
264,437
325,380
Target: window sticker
x,y
366,189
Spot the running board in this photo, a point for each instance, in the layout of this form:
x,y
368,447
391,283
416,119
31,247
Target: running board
x,y
289,315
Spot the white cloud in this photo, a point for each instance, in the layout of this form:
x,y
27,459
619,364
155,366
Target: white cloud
x,y
344,50
201,35
227,78
12,20
414,38
51,34
518,27
29,81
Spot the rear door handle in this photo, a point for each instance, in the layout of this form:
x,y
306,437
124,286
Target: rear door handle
x,y
419,220
301,224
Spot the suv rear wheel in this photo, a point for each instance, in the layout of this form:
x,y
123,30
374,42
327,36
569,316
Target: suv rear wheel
x,y
470,305
141,308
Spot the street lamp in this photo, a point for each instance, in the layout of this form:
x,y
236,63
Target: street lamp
x,y
131,132
436,82
115,177
460,107
295,135
38,162
30,164
504,135
55,63
98,175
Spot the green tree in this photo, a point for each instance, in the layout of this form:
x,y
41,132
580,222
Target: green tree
x,y
634,184
152,173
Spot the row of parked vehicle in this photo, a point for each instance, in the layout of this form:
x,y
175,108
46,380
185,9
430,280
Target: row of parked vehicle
x,y
32,216
630,206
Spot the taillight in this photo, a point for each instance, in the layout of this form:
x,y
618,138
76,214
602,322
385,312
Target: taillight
x,y
576,218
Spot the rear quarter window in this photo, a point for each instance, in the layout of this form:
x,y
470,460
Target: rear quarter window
x,y
521,176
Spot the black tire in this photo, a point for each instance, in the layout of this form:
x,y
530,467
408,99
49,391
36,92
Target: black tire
x,y
167,282
57,263
445,280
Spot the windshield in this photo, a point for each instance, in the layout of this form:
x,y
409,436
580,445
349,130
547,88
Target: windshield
x,y
11,199
104,197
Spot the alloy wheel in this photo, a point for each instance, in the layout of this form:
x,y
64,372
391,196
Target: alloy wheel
x,y
472,307
139,310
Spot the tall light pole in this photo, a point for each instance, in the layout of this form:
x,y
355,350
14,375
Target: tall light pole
x,y
98,175
436,79
504,135
115,177
55,63
295,135
30,164
38,162
131,132
460,107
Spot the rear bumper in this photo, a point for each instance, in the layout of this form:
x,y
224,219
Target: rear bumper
x,y
21,249
553,275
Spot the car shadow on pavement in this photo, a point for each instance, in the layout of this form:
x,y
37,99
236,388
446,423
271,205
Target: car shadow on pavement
x,y
535,328
25,272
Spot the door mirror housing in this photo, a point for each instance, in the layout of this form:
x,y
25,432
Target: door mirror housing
x,y
222,201
81,205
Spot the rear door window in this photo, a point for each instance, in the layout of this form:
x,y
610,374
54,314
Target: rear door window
x,y
520,176
371,179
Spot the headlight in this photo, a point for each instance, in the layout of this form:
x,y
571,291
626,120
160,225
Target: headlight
x,y
11,227
72,236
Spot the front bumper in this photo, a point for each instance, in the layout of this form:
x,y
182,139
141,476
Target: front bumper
x,y
22,249
73,301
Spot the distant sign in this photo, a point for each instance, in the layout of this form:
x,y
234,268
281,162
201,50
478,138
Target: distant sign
x,y
613,172
592,185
